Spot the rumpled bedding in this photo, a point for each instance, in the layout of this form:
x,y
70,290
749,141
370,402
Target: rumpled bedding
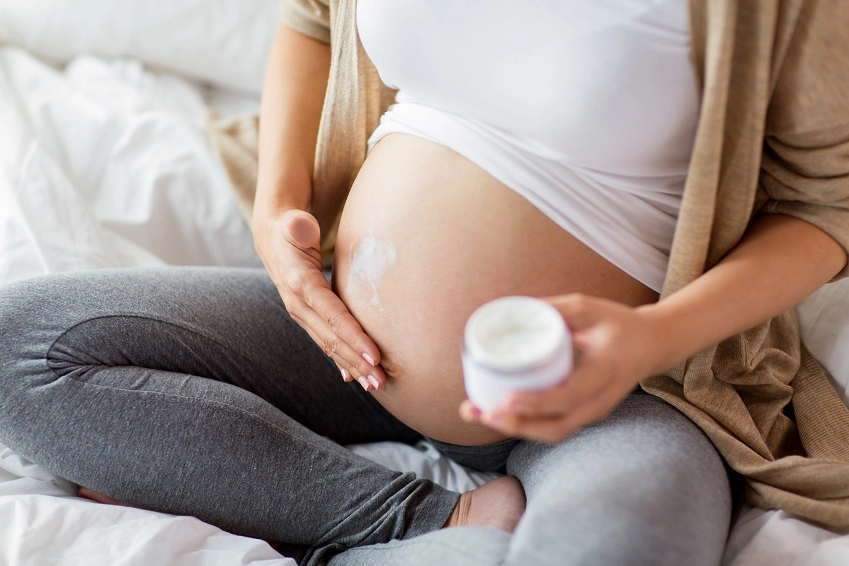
x,y
104,165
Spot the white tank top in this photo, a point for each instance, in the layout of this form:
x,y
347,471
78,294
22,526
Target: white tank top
x,y
587,108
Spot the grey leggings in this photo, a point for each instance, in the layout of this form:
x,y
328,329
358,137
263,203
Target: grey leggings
x,y
191,391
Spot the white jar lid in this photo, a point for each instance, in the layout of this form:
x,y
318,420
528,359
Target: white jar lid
x,y
514,333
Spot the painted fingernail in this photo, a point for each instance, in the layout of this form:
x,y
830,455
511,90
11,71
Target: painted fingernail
x,y
373,380
492,419
469,412
369,359
344,374
364,382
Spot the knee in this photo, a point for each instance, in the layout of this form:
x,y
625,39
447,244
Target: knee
x,y
22,308
22,350
16,300
33,314
643,487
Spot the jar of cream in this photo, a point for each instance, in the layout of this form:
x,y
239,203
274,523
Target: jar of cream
x,y
512,344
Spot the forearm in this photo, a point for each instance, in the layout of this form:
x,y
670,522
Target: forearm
x,y
780,261
292,100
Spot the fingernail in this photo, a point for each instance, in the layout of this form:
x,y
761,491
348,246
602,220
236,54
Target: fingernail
x,y
492,419
471,413
373,380
344,374
369,359
364,382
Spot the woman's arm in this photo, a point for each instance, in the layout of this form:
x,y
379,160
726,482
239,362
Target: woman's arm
x,y
779,262
286,236
292,99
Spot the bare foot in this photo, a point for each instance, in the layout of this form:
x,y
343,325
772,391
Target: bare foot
x,y
86,493
498,504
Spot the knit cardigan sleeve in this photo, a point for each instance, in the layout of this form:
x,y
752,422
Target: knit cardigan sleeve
x,y
310,17
805,167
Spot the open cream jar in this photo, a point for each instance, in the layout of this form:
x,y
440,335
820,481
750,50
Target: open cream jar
x,y
514,343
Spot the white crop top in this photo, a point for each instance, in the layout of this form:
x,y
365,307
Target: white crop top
x,y
587,108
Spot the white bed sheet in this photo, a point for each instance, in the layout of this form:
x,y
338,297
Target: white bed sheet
x,y
104,164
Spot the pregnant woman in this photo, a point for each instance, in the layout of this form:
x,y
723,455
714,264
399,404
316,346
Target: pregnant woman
x,y
672,177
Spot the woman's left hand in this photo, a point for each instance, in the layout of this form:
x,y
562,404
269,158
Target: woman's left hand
x,y
615,346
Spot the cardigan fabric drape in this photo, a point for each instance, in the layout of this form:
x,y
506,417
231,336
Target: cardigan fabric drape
x,y
772,138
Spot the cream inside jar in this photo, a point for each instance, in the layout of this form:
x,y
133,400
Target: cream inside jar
x,y
514,343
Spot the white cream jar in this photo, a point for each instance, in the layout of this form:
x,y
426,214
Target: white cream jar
x,y
512,344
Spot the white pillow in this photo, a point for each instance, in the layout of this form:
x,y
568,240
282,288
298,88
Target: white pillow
x,y
824,318
224,42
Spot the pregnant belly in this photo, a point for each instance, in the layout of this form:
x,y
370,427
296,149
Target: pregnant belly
x,y
426,237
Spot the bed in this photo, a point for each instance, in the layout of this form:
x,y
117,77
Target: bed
x,y
105,162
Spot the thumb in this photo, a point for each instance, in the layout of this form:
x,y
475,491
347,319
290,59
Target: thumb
x,y
302,230
578,310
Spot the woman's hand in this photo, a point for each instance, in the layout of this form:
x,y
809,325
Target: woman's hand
x,y
289,247
613,344
287,237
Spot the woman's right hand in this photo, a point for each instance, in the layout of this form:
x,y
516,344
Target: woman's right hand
x,y
288,244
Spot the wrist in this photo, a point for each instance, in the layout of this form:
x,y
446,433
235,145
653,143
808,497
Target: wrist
x,y
269,212
671,339
286,188
267,216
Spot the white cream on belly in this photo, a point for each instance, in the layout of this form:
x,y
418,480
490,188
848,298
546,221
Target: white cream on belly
x,y
370,262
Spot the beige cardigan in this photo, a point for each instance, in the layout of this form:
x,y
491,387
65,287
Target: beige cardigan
x,y
773,137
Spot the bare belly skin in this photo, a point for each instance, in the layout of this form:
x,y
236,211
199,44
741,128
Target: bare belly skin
x,y
426,237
